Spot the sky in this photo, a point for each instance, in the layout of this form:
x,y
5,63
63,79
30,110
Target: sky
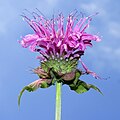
x,y
16,63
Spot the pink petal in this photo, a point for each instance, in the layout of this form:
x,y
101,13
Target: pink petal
x,y
87,71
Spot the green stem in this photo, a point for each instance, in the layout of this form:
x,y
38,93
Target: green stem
x,y
58,101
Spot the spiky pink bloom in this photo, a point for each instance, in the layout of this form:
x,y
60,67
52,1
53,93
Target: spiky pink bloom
x,y
52,40
60,49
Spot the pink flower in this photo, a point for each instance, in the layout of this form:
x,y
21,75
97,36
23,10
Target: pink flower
x,y
60,48
52,40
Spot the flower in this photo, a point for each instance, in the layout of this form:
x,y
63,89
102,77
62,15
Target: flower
x,y
60,48
52,40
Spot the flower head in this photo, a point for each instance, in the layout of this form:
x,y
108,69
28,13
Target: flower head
x,y
60,47
52,40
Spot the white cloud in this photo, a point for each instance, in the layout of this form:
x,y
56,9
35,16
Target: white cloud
x,y
93,7
114,29
47,6
112,57
52,2
112,53
105,56
7,13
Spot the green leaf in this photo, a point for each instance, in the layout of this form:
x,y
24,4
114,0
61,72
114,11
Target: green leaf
x,y
44,85
21,92
77,75
95,88
81,87
32,87
29,88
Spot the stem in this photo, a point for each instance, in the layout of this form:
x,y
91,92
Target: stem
x,y
58,101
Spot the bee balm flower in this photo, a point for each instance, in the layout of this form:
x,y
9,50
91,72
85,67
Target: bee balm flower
x,y
60,48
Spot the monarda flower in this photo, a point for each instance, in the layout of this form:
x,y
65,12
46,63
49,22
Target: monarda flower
x,y
60,48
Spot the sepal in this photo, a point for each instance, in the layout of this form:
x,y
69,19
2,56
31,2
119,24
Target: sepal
x,y
81,87
41,83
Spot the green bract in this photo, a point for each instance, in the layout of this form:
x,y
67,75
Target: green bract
x,y
60,65
58,70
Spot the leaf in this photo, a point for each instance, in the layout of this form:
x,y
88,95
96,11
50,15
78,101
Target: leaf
x,y
95,88
34,86
77,75
21,92
44,85
81,87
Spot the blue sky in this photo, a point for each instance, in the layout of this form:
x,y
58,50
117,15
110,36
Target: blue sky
x,y
16,62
